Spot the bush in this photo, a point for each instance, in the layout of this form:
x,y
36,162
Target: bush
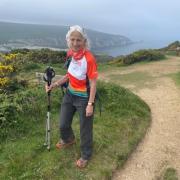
x,y
138,56
31,66
15,106
10,66
172,46
20,110
21,51
143,55
8,115
46,56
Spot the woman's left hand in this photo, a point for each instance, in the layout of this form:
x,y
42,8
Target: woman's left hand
x,y
89,110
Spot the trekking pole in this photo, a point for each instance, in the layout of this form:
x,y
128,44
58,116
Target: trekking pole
x,y
48,75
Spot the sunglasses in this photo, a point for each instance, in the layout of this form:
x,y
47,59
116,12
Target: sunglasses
x,y
76,28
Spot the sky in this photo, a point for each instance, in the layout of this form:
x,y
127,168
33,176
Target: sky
x,y
136,19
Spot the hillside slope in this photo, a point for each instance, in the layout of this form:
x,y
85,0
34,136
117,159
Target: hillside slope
x,y
14,35
160,147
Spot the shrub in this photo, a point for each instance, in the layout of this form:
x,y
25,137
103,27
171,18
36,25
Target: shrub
x,y
172,46
10,66
142,55
31,66
46,56
22,109
138,56
5,73
21,51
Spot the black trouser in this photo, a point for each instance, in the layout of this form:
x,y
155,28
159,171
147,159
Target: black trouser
x,y
70,105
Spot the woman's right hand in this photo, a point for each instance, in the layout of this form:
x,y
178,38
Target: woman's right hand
x,y
48,88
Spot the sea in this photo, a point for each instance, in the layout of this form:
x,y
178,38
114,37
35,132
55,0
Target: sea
x,y
128,49
114,51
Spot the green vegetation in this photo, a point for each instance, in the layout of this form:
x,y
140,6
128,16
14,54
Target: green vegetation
x,y
124,121
171,49
139,56
176,78
18,111
172,46
170,174
171,53
16,70
103,58
117,132
42,55
136,80
29,35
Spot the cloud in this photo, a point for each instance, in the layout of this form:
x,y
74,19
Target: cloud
x,y
146,18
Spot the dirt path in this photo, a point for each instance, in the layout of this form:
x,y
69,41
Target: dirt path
x,y
160,148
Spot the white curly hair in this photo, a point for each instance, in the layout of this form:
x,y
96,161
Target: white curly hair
x,y
81,31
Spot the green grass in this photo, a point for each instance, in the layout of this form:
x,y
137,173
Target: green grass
x,y
176,78
104,66
170,174
29,71
135,79
171,53
117,132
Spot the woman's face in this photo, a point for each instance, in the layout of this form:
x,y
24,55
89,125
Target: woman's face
x,y
77,41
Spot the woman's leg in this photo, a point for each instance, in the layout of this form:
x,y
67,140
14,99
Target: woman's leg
x,y
66,116
86,129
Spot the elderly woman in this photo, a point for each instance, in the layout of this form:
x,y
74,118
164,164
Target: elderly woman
x,y
80,95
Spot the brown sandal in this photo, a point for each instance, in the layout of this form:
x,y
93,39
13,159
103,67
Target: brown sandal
x,y
81,163
61,144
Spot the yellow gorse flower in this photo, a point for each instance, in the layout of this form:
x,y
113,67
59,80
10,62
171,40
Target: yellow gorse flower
x,y
4,81
5,70
9,57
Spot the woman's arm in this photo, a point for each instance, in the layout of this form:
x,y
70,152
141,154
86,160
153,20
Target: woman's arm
x,y
57,83
92,90
90,106
60,81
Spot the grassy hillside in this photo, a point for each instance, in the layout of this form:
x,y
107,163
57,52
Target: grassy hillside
x,y
146,55
117,132
172,46
172,49
14,35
